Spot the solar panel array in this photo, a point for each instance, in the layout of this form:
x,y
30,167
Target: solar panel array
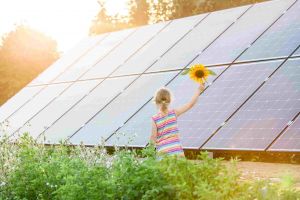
x,y
256,124
102,89
289,140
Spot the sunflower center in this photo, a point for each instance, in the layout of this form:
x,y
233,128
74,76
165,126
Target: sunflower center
x,y
199,73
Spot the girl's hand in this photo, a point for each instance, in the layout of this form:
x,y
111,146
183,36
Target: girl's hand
x,y
201,87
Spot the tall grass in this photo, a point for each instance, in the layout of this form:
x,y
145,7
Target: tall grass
x,y
35,171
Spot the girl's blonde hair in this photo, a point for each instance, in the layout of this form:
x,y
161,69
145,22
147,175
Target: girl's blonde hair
x,y
163,98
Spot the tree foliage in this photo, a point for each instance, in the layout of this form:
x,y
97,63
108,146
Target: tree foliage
x,y
107,23
24,53
141,12
138,12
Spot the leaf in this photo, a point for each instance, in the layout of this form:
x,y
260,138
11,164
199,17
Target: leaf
x,y
212,72
185,72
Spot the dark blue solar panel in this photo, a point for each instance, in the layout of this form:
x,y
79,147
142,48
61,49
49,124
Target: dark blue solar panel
x,y
244,32
198,39
117,112
119,56
221,100
280,40
160,44
75,118
289,140
58,107
137,131
264,116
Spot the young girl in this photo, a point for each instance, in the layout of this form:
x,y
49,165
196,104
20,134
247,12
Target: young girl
x,y
165,134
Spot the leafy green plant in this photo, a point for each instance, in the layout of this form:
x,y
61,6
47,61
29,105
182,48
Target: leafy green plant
x,y
35,171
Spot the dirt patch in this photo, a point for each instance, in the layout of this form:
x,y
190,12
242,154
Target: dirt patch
x,y
271,171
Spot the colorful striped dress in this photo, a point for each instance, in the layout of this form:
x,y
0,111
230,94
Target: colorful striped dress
x,y
167,138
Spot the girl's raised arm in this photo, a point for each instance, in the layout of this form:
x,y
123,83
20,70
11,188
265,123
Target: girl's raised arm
x,y
193,101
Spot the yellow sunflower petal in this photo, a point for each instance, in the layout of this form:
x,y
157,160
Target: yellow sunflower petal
x,y
199,73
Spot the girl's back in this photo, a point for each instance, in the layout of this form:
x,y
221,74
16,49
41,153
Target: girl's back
x,y
167,137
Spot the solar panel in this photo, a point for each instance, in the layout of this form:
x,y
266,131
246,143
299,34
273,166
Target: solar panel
x,y
95,55
58,107
18,119
17,101
221,100
162,42
72,56
245,31
119,56
297,53
136,132
280,40
198,39
289,140
101,89
118,111
264,116
75,118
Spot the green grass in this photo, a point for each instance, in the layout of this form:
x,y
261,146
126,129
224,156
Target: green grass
x,y
35,171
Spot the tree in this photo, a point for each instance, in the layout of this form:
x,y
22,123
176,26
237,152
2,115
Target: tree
x,y
174,9
138,12
143,12
161,10
185,8
24,54
101,23
105,23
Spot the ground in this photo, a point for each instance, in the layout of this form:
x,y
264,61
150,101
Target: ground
x,y
272,171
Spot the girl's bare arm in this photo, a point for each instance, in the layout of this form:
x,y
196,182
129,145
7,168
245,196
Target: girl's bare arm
x,y
190,104
154,133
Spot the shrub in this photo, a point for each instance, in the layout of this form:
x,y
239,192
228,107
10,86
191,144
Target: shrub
x,y
35,171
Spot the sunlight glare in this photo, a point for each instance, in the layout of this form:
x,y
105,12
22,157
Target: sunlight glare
x,y
66,21
117,7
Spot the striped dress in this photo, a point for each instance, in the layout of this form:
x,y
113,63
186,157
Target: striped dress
x,y
167,138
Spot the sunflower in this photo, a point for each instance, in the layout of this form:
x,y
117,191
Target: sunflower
x,y
198,73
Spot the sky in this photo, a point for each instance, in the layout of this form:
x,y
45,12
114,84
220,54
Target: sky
x,y
66,21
